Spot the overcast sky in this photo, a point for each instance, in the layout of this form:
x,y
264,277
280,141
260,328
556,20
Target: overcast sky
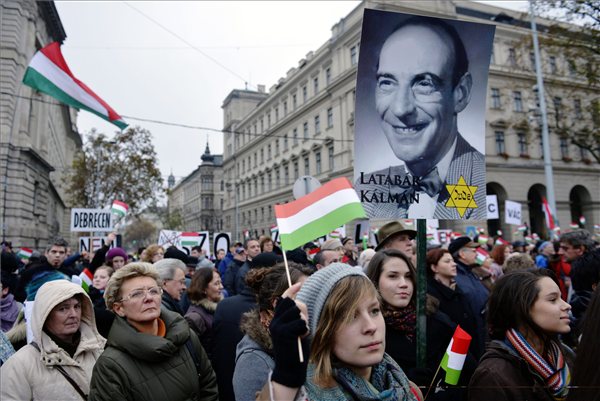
x,y
177,61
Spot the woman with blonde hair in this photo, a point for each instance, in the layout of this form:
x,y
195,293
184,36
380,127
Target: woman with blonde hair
x,y
153,253
151,354
343,320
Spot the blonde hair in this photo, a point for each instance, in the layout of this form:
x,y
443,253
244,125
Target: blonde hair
x,y
339,310
151,250
127,272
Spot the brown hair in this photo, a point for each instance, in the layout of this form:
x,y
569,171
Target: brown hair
x,y
200,280
375,267
433,258
151,250
497,253
264,241
339,310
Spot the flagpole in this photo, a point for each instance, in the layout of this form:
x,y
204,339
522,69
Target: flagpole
x,y
289,279
433,381
421,293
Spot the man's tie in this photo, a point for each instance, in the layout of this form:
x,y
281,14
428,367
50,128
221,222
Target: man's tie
x,y
430,183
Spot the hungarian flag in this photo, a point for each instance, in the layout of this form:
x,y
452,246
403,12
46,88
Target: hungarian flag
x,y
500,241
190,239
454,359
482,239
24,253
582,220
318,213
529,239
548,214
120,208
522,228
49,73
482,255
573,225
87,278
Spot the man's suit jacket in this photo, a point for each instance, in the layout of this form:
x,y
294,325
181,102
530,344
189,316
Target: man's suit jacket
x,y
466,162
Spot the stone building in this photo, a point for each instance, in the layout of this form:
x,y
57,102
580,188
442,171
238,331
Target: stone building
x,y
198,198
304,125
38,136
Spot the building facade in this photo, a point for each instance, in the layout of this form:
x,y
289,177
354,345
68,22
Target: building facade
x,y
38,136
304,125
198,198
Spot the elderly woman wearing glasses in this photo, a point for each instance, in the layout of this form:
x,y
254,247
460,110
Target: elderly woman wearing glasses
x,y
150,354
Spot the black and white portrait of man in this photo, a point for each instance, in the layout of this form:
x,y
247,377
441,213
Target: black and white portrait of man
x,y
415,78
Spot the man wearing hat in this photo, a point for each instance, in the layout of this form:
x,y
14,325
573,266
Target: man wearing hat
x,y
463,250
350,255
393,235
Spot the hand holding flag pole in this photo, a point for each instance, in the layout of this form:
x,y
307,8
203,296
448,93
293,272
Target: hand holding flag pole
x,y
314,215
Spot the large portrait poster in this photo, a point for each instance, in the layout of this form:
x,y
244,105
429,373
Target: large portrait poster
x,y
419,149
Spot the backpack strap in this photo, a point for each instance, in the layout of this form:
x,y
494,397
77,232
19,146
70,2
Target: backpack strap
x,y
63,372
193,354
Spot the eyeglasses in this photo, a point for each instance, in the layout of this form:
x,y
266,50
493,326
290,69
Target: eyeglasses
x,y
139,294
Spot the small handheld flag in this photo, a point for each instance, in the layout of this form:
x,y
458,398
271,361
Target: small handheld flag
x,y
454,359
87,278
573,225
24,253
482,239
500,241
120,208
582,220
482,255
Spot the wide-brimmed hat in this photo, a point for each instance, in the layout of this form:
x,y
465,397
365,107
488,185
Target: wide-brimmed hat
x,y
388,230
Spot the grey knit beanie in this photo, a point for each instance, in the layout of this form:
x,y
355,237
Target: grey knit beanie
x,y
316,289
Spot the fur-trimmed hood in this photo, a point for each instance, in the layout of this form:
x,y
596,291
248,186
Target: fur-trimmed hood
x,y
251,325
207,304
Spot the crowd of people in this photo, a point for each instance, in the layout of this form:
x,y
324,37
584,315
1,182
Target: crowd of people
x,y
339,323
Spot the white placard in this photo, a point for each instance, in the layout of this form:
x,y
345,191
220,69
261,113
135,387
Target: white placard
x,y
512,212
91,220
492,207
185,241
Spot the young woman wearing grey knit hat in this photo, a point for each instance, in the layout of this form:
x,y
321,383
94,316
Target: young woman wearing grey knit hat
x,y
337,312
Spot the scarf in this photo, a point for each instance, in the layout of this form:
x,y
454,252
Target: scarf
x,y
553,369
388,383
403,320
10,311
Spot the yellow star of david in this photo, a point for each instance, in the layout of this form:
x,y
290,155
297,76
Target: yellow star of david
x,y
462,196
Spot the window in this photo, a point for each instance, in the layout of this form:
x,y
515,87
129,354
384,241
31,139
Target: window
x,y
306,166
296,170
316,85
500,143
572,68
522,138
285,142
496,103
294,101
276,114
329,117
295,136
276,146
553,69
262,214
285,108
512,57
305,130
327,76
492,56
330,156
353,55
243,165
318,162
262,184
255,130
564,147
317,125
595,112
269,182
262,156
304,94
286,175
518,101
269,152
255,159
269,120
584,154
557,101
277,178
532,60
262,125
577,107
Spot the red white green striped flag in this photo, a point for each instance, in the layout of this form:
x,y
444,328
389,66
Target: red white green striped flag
x,y
24,253
120,208
190,239
582,220
522,228
482,239
500,241
573,225
87,278
318,213
482,255
49,73
454,359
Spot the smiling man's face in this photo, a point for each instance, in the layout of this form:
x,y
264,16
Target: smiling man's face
x,y
415,98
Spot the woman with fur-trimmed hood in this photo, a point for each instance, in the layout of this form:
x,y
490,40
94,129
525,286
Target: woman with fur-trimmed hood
x,y
65,336
204,295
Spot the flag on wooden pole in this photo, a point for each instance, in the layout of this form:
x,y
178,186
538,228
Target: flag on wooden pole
x,y
454,359
318,213
120,208
49,73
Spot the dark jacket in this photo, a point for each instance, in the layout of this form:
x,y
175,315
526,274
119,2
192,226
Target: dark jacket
x,y
227,334
137,366
34,277
200,317
104,317
230,276
502,375
240,278
171,304
475,294
454,304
